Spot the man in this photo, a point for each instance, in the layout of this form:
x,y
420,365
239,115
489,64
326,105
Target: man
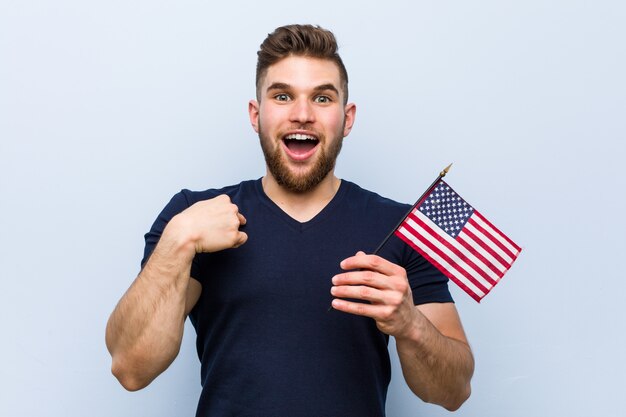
x,y
257,264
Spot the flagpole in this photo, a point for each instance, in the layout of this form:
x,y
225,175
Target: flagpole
x,y
419,200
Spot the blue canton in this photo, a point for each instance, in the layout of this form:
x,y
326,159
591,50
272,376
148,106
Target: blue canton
x,y
446,209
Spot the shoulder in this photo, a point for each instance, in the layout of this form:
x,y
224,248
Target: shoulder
x,y
186,198
235,192
373,203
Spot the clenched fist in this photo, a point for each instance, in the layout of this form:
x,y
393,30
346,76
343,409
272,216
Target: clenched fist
x,y
210,225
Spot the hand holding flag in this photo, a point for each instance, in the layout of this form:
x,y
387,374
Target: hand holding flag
x,y
457,239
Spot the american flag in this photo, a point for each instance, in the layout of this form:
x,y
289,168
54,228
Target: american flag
x,y
458,240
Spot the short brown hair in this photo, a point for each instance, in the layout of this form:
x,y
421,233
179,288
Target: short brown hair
x,y
299,40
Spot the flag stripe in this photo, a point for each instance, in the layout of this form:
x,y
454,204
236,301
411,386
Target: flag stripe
x,y
458,251
494,237
475,240
481,254
441,264
502,235
483,240
424,236
425,242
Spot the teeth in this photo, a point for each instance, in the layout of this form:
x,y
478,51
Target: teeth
x,y
298,136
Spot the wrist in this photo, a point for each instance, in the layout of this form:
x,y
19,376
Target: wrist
x,y
178,240
170,263
412,333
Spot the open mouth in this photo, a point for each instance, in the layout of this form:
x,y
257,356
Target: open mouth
x,y
300,145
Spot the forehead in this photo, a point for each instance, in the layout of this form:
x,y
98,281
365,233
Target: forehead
x,y
302,72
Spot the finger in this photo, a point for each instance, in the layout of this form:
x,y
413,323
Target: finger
x,y
371,262
241,239
242,219
223,197
366,278
360,309
358,292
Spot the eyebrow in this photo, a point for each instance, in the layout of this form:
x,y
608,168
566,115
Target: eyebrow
x,y
279,86
326,87
322,87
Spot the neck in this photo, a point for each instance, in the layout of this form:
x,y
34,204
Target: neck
x,y
301,206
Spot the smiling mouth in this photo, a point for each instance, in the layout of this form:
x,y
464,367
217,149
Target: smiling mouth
x,y
299,144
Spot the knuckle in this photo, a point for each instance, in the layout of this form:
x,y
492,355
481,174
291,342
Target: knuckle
x,y
365,292
375,261
396,299
400,271
359,308
387,313
240,239
221,201
403,286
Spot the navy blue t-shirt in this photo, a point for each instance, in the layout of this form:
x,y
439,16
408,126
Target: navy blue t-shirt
x,y
267,344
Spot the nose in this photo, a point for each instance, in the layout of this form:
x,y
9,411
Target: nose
x,y
302,111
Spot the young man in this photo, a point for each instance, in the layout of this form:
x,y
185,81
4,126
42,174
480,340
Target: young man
x,y
257,264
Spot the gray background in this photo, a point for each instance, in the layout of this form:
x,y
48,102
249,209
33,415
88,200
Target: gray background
x,y
109,108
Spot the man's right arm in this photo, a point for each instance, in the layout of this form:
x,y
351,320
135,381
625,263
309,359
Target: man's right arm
x,y
145,330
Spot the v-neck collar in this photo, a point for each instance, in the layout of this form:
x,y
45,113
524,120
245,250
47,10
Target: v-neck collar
x,y
295,224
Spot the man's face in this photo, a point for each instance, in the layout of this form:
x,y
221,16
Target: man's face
x,y
301,120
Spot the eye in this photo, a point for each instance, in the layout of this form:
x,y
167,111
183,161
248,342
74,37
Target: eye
x,y
281,97
322,99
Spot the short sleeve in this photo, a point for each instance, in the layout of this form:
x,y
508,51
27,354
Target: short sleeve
x,y
177,204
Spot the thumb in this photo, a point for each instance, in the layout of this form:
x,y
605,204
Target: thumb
x,y
242,238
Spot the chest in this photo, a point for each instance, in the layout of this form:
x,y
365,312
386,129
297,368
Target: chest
x,y
278,262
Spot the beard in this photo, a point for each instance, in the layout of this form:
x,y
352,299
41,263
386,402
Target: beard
x,y
300,182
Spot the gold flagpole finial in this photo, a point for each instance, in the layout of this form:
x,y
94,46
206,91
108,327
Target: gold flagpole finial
x,y
445,171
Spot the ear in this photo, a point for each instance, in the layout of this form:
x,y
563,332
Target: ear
x,y
350,114
253,112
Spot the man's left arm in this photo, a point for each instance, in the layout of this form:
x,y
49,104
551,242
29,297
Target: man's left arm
x,y
437,362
